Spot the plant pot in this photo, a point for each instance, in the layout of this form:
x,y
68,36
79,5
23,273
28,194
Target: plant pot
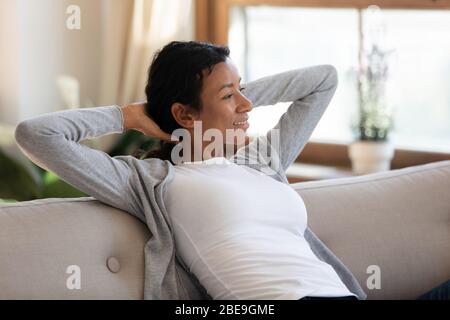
x,y
370,156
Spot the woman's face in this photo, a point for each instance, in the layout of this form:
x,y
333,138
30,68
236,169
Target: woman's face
x,y
224,106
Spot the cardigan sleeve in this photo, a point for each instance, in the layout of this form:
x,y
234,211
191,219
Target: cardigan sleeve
x,y
310,90
51,141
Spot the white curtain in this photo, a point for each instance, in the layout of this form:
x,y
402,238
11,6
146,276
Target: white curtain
x,y
132,31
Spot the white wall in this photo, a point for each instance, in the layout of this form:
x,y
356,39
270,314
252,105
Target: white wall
x,y
40,55
82,49
9,61
36,47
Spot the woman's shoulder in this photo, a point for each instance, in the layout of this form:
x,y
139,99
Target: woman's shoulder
x,y
153,167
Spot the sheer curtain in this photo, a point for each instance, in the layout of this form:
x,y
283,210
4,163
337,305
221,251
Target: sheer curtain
x,y
132,31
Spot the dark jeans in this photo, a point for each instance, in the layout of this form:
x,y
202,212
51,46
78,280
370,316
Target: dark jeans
x,y
441,292
330,298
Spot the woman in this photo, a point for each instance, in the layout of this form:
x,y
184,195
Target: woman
x,y
239,230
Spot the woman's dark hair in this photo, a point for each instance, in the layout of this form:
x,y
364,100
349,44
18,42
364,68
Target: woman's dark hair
x,y
176,75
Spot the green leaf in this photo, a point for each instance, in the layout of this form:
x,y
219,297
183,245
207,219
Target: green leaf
x,y
131,141
56,188
7,201
16,182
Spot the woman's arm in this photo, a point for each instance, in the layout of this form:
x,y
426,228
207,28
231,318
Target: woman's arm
x,y
310,90
52,142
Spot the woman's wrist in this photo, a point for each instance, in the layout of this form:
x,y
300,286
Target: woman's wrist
x,y
130,116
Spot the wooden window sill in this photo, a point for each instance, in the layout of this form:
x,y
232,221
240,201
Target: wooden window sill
x,y
336,155
301,172
319,161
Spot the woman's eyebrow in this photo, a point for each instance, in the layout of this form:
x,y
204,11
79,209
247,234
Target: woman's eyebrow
x,y
228,85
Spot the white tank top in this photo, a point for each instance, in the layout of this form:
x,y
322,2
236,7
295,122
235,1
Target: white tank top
x,y
241,233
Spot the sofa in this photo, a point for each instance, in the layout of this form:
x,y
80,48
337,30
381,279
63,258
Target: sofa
x,y
391,229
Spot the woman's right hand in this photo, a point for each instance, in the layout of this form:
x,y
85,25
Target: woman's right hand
x,y
135,118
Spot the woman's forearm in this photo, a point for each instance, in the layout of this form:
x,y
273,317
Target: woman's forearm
x,y
310,90
291,85
73,125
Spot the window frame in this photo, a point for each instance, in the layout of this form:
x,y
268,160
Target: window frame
x,y
212,24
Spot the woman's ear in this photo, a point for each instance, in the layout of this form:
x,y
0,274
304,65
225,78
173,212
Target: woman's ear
x,y
184,115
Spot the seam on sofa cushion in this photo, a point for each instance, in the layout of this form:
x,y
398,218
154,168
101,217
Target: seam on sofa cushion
x,y
393,174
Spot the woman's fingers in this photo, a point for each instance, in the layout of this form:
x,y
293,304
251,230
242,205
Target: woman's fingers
x,y
167,137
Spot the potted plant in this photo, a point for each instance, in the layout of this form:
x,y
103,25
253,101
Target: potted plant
x,y
372,150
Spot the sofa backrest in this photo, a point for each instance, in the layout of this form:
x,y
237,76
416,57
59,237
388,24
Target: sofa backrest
x,y
46,244
396,222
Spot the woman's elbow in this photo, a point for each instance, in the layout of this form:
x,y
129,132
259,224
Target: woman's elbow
x,y
22,132
332,77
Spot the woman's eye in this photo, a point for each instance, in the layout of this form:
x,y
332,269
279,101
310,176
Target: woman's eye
x,y
230,95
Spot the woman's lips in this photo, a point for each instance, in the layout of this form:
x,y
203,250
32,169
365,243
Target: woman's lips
x,y
243,124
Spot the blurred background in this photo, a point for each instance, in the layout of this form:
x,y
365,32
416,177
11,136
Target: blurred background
x,y
392,57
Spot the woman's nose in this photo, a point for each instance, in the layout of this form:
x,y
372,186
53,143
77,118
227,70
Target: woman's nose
x,y
245,103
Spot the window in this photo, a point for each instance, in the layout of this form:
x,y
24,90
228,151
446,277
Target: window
x,y
420,83
266,40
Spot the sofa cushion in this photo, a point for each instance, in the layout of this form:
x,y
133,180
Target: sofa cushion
x,y
397,220
41,239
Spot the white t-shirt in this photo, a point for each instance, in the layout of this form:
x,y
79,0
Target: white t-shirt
x,y
240,232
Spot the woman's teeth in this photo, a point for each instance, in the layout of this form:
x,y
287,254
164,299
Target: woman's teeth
x,y
240,123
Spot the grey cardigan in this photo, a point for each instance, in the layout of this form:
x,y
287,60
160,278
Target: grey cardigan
x,y
137,186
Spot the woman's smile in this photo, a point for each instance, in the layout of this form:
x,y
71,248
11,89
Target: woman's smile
x,y
244,125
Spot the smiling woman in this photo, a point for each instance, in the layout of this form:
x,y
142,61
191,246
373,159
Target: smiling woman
x,y
194,81
233,224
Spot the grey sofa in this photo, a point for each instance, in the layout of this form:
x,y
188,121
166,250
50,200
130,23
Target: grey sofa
x,y
396,223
